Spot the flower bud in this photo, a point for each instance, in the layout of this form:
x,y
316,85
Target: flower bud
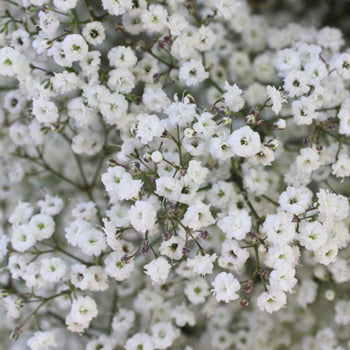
x,y
227,121
157,157
250,119
44,8
19,303
140,46
185,250
265,273
329,294
147,157
272,143
135,167
252,235
280,124
204,234
190,98
111,163
14,335
166,236
125,259
133,130
244,303
248,287
4,293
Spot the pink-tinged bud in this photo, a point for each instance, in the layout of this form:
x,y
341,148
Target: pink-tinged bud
x,y
244,303
125,259
119,27
272,143
265,273
248,287
204,234
185,250
252,235
166,236
111,163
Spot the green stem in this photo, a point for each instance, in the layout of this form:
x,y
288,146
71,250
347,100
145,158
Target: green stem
x,y
212,82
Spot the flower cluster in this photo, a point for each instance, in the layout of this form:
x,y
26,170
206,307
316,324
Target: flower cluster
x,y
174,175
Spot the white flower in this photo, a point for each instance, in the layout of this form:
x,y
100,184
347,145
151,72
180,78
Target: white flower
x,y
225,287
272,300
87,142
193,72
279,228
296,83
139,341
41,226
283,279
341,168
84,210
51,205
182,315
307,292
142,216
164,334
326,254
121,80
123,320
75,47
116,268
52,269
181,113
148,127
122,56
94,32
202,264
155,18
196,172
295,200
312,235
232,256
342,312
225,8
236,225
304,111
276,97
45,112
83,310
42,341
65,5
245,142
232,97
92,242
172,248
197,216
158,269
196,290
21,214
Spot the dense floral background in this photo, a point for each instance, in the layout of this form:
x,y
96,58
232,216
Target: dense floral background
x,y
174,174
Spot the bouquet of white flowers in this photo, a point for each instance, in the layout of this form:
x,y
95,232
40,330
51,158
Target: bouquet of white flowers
x,y
174,175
